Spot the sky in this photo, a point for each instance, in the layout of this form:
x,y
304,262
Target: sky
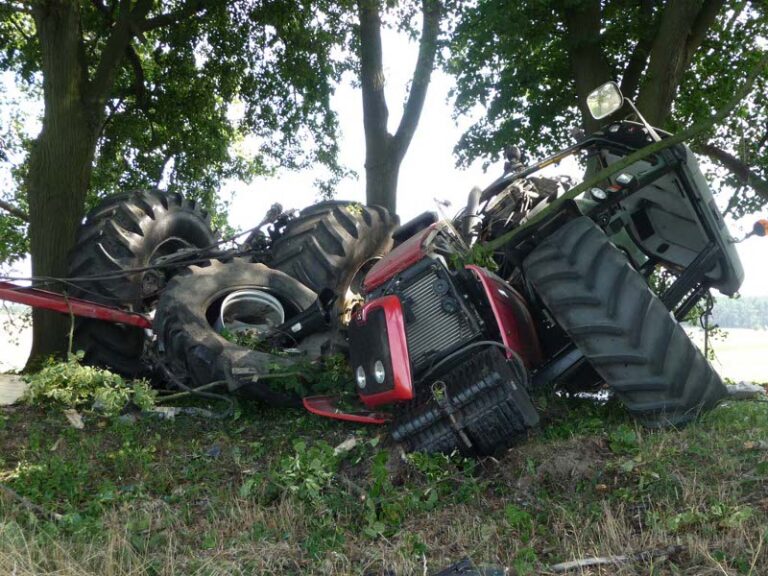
x,y
428,171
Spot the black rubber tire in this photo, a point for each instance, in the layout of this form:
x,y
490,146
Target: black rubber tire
x,y
129,228
328,242
191,346
621,326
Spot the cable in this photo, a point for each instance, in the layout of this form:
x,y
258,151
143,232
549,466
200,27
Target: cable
x,y
111,276
210,395
180,259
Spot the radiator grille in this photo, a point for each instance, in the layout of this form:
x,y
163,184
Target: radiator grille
x,y
429,327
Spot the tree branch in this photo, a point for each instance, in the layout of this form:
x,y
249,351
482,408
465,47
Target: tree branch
x,y
431,11
188,9
743,173
636,156
114,50
638,60
139,84
682,27
14,211
704,20
139,87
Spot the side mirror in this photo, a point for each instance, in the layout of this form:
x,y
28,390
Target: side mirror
x,y
604,100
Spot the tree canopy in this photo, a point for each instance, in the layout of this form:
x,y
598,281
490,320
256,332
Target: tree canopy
x,y
531,64
202,92
139,92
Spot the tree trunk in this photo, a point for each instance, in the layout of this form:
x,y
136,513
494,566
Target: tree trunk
x,y
381,183
383,151
683,27
60,164
583,22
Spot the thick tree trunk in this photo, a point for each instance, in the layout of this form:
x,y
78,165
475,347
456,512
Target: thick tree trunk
x,y
381,183
62,156
60,164
379,188
684,25
583,22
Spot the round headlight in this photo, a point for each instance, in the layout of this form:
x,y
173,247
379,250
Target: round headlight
x,y
378,371
360,376
598,193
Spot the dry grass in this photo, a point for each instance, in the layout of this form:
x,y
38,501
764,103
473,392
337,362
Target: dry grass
x,y
155,499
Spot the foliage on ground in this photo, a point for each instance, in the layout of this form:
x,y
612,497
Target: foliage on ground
x,y
268,493
74,385
330,374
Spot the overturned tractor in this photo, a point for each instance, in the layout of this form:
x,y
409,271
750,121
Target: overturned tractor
x,y
441,347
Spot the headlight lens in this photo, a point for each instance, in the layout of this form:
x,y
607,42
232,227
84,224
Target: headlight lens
x,y
598,194
378,371
360,376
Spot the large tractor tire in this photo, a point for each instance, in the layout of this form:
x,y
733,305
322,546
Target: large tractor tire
x,y
129,230
193,348
622,328
331,244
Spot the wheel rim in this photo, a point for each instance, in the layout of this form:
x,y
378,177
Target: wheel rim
x,y
249,311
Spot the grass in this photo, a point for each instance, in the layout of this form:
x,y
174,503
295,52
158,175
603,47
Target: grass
x,y
266,493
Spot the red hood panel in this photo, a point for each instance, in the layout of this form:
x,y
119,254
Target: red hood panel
x,y
401,258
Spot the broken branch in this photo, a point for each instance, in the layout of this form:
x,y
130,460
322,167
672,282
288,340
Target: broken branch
x,y
644,556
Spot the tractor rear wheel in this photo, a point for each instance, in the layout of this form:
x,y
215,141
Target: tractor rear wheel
x,y
622,328
195,349
125,231
332,244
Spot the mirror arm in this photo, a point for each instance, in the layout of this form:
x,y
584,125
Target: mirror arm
x,y
654,135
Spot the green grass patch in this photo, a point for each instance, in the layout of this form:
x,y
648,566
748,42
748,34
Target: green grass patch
x,y
268,492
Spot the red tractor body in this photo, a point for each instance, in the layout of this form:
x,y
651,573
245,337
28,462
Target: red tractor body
x,y
421,321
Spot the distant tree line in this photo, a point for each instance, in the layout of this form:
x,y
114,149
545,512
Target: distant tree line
x,y
750,312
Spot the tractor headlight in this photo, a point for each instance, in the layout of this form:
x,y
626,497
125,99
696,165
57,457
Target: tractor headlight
x,y
378,372
360,376
598,194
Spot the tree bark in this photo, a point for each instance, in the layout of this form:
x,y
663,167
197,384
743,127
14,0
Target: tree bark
x,y
384,152
583,21
60,163
375,111
682,29
61,158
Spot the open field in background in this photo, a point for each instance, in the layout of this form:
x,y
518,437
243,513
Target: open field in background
x,y
741,354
